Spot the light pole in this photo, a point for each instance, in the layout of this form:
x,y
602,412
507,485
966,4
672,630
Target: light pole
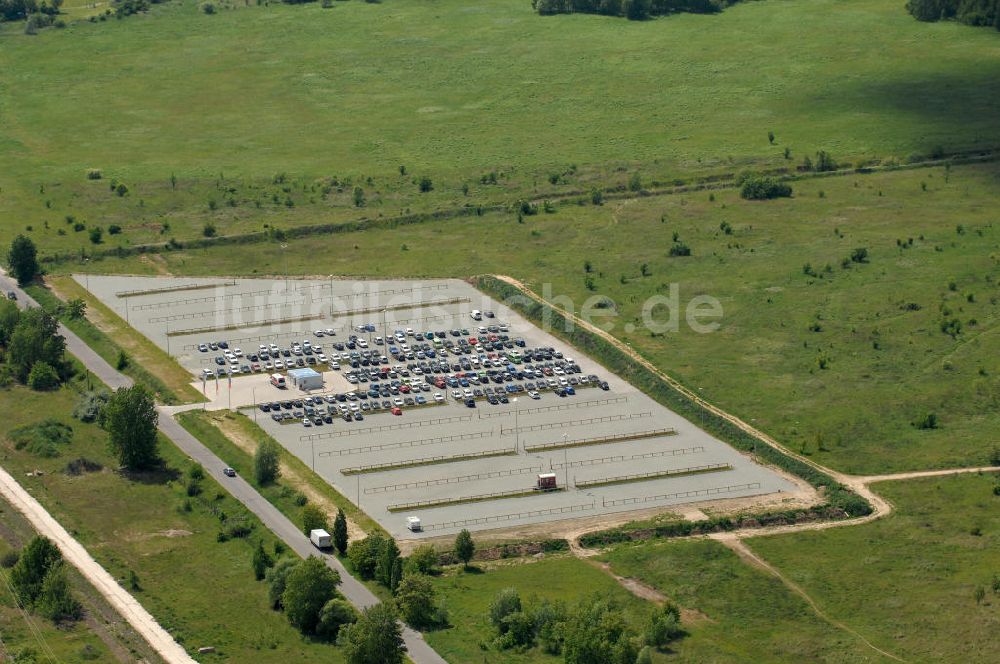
x,y
565,464
255,404
284,254
517,434
331,297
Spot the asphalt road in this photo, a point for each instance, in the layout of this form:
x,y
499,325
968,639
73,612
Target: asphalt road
x,y
355,591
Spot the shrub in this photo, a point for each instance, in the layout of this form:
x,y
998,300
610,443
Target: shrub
x,y
596,196
755,187
121,189
364,554
506,602
928,421
276,578
208,8
859,255
307,590
680,249
417,601
96,234
42,439
81,466
9,559
114,229
208,230
313,518
43,377
425,184
94,174
423,560
335,614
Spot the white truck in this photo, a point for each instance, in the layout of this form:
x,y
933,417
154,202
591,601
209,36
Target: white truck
x,y
320,538
413,524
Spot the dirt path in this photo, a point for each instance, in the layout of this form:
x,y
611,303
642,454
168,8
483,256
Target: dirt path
x,y
73,551
737,545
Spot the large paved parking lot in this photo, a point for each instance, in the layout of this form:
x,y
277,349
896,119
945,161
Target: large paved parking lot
x,y
452,462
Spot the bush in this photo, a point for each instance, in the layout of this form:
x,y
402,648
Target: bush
x,y
43,377
277,577
56,601
417,602
9,559
114,229
208,230
423,560
364,554
313,518
335,614
680,249
96,234
425,184
208,8
755,187
42,439
506,602
94,174
266,468
307,590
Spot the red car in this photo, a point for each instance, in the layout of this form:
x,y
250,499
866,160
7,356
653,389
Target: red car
x,y
405,389
396,411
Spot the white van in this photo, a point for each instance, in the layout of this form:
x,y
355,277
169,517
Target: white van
x,y
278,381
476,314
413,524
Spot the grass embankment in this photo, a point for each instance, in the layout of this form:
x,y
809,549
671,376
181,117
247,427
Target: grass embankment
x,y
211,429
876,325
200,589
108,335
870,89
100,636
908,583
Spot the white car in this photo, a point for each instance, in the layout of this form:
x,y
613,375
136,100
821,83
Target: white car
x,y
468,393
279,365
321,358
268,367
237,352
273,348
329,332
456,394
438,397
409,331
335,366
534,395
318,333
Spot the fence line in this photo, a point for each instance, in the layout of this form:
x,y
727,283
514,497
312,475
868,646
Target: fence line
x,y
400,307
259,337
654,475
406,443
459,500
560,406
243,326
387,291
622,457
599,440
172,289
385,427
198,300
694,493
453,480
572,423
222,312
427,461
509,517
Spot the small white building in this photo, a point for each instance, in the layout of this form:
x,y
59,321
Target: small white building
x,y
305,379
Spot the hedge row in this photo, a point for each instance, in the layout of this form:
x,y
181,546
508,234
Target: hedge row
x,y
837,495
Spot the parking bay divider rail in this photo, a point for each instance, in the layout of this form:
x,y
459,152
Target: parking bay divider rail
x,y
485,415
622,457
566,509
428,461
172,289
478,498
407,443
693,493
198,300
601,440
454,480
242,326
654,475
572,423
385,427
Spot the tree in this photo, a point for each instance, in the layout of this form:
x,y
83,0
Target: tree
x,y
56,601
265,462
664,625
359,197
9,315
261,561
364,554
22,259
423,560
28,575
465,548
43,377
416,601
131,418
375,638
506,602
596,633
386,562
307,590
425,184
313,518
397,575
76,308
34,339
340,532
636,10
277,577
335,614
96,234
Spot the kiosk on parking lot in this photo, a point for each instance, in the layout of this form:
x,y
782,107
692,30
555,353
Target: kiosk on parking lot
x,y
305,379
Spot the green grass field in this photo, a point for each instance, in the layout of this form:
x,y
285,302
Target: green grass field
x,y
888,366
908,582
467,596
454,89
732,612
192,584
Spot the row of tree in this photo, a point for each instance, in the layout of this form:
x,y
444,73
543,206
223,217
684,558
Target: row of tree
x,y
33,351
18,10
970,12
38,580
635,10
129,416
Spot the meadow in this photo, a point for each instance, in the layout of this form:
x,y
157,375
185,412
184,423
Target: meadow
x,y
842,364
142,525
191,111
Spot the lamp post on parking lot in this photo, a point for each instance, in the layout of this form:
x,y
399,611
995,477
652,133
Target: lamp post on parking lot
x,y
565,464
284,254
255,404
517,431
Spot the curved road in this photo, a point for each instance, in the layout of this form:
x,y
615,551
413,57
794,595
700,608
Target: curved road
x,y
356,592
